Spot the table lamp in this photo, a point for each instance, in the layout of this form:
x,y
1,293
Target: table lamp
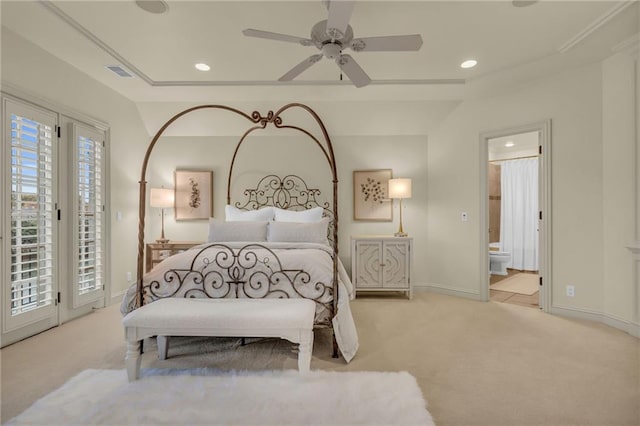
x,y
161,198
399,189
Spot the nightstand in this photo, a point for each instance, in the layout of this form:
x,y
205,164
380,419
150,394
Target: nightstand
x,y
157,252
382,263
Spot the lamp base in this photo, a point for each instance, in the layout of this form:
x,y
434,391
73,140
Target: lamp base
x,y
400,234
162,240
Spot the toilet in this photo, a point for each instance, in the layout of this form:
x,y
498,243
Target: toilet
x,y
498,259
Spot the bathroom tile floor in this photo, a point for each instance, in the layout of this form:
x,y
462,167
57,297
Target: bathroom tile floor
x,y
513,298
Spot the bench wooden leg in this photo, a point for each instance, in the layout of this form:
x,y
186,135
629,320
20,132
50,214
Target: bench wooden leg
x,y
133,360
163,347
304,351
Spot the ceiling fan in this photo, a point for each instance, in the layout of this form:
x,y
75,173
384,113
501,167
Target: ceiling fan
x,y
334,35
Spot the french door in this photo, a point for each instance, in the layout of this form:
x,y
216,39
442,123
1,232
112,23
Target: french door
x,y
29,195
53,178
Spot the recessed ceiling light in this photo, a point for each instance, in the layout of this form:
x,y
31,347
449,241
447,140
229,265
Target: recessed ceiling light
x,y
202,67
509,144
153,6
469,63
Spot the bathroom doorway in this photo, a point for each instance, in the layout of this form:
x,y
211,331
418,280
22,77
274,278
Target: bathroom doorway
x,y
514,187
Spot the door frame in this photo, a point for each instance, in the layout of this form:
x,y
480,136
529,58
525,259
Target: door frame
x,y
544,206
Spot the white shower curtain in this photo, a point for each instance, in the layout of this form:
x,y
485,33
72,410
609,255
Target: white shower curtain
x,y
519,215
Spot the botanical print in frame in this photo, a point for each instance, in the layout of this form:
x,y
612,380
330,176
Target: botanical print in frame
x,y
371,195
194,194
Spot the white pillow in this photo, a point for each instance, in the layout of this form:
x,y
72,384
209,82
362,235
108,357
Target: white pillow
x,y
236,231
234,214
303,216
296,232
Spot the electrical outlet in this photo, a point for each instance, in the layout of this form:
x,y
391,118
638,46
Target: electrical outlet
x,y
571,291
129,277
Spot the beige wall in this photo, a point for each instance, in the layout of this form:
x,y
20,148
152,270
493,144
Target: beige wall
x,y
261,155
618,159
573,101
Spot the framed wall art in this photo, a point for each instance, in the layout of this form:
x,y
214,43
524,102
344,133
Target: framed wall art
x,y
371,195
194,194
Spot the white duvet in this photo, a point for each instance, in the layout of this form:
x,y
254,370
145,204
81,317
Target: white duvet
x,y
241,269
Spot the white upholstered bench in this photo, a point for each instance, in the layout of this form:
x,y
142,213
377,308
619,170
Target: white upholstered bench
x,y
290,319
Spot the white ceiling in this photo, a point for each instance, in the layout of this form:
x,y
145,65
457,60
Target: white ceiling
x,y
511,44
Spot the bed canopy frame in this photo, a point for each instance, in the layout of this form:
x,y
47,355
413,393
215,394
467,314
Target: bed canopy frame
x,y
257,122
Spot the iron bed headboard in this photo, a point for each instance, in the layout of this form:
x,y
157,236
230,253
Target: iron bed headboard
x,y
260,122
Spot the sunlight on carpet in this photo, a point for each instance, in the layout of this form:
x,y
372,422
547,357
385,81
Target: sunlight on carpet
x,y
519,283
210,396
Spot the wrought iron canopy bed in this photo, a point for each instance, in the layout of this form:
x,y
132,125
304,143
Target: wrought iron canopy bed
x,y
252,270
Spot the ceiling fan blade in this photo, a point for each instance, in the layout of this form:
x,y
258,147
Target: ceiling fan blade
x,y
387,43
358,77
339,16
302,66
250,32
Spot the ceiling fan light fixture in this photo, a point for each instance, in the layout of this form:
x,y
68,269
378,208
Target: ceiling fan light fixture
x,y
331,50
202,66
334,35
469,63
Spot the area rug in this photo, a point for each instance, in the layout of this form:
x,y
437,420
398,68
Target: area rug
x,y
519,283
209,396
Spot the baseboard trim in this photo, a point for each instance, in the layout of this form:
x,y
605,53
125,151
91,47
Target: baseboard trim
x,y
634,329
610,320
449,291
116,298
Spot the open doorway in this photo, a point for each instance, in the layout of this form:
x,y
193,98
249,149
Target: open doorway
x,y
515,236
513,222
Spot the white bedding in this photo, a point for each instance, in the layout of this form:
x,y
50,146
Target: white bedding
x,y
314,259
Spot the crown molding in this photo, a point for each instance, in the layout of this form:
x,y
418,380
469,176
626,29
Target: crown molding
x,y
204,83
189,83
595,25
95,40
630,46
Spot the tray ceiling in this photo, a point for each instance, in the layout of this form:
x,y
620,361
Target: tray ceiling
x,y
161,49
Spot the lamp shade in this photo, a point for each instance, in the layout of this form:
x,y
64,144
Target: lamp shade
x,y
161,197
400,188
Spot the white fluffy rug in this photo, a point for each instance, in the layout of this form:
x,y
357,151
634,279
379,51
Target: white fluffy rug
x,y
209,396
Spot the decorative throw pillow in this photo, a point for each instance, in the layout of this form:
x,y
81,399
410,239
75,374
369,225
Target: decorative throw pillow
x,y
236,231
297,232
234,214
302,216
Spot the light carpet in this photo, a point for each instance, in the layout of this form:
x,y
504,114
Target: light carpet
x,y
210,396
518,283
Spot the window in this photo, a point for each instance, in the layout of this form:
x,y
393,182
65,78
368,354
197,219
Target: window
x,y
31,214
88,202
